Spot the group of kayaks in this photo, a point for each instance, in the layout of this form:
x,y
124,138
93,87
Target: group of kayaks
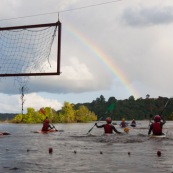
x,y
126,129
55,130
132,124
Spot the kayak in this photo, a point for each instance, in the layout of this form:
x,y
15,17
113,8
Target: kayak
x,y
133,125
157,136
4,133
49,131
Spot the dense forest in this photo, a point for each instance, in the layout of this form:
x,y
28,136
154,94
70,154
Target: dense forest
x,y
139,109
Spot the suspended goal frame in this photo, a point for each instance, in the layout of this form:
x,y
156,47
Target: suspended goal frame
x,y
23,55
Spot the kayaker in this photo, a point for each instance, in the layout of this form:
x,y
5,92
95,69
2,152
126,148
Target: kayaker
x,y
46,125
108,127
157,126
133,123
123,123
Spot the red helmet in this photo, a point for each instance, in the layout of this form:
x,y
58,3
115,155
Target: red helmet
x,y
157,118
108,120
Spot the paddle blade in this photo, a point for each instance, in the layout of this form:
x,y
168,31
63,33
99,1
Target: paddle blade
x,y
111,107
167,103
90,129
42,111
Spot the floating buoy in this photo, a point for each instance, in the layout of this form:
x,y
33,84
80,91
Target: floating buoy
x,y
101,152
159,153
129,153
27,150
126,129
50,150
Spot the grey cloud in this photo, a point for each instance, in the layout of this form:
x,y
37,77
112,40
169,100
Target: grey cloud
x,y
154,15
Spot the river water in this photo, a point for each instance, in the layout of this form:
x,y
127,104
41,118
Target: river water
x,y
75,152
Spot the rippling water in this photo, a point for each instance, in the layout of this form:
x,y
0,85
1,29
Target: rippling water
x,y
74,151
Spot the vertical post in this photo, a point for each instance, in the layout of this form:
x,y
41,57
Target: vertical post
x,y
59,48
22,98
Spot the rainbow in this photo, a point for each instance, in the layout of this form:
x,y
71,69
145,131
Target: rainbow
x,y
101,56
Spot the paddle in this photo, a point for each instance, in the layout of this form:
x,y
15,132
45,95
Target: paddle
x,y
94,125
151,116
164,107
54,127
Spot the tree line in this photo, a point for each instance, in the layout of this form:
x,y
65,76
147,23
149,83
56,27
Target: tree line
x,y
139,109
68,114
131,108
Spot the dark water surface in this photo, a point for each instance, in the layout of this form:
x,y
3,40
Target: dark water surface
x,y
75,152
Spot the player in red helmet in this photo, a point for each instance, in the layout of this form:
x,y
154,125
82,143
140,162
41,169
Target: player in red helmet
x,y
108,127
133,123
46,125
123,123
157,126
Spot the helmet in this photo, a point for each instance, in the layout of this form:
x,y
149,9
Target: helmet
x,y
157,118
108,120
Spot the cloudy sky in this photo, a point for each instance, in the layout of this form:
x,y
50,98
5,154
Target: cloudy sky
x,y
111,48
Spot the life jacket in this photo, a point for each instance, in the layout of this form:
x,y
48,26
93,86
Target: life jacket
x,y
123,124
157,130
45,126
108,128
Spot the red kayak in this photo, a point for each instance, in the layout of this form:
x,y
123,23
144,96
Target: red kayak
x,y
49,131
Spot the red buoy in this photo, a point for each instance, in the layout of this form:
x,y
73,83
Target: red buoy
x,y
50,150
159,153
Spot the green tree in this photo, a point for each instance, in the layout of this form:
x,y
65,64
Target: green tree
x,y
84,115
17,119
67,114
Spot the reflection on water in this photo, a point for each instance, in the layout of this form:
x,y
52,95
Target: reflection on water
x,y
74,151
